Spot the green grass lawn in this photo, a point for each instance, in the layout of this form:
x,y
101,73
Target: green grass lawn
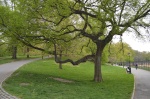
x,y
6,60
36,80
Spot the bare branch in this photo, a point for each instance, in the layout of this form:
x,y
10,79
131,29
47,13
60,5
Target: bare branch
x,y
136,31
86,22
143,15
51,21
122,46
124,2
129,23
85,46
30,45
84,13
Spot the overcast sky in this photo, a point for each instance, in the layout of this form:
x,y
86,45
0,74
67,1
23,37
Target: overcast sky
x,y
135,43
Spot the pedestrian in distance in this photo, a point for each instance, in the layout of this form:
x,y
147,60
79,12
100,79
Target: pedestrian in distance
x,y
136,66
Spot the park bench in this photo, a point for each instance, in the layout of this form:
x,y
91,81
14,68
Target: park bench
x,y
128,70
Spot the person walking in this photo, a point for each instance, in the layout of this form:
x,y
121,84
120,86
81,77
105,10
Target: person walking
x,y
136,66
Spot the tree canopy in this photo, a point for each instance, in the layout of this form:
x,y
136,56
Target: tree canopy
x,y
49,21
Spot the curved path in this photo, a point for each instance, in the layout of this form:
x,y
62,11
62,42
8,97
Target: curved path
x,y
142,84
5,71
142,80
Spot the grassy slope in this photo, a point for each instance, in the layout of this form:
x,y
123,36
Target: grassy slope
x,y
34,81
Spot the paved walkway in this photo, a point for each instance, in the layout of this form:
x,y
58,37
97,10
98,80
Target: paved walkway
x,y
5,71
142,80
142,84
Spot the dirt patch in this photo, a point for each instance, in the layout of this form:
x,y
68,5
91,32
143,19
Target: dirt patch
x,y
24,84
62,80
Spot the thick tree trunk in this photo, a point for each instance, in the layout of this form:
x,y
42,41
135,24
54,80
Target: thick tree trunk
x,y
14,52
97,69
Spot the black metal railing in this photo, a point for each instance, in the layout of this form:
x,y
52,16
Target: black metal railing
x,y
140,64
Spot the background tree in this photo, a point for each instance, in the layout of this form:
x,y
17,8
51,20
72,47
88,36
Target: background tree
x,y
3,47
118,52
142,56
97,20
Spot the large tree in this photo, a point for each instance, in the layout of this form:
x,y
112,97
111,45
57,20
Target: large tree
x,y
45,21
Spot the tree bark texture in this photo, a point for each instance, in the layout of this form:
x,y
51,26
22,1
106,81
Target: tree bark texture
x,y
97,68
60,57
14,52
28,56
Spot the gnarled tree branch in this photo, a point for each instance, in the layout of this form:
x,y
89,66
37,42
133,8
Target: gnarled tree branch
x,y
84,59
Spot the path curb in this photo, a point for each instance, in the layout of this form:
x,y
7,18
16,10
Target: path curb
x,y
133,89
3,93
6,95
